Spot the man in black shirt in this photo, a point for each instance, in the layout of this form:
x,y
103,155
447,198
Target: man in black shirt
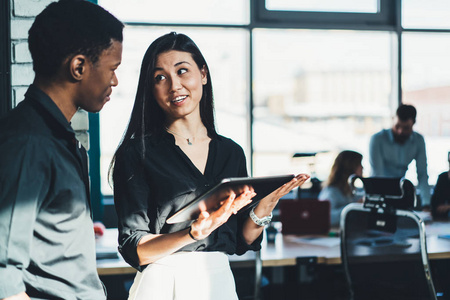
x,y
47,245
440,201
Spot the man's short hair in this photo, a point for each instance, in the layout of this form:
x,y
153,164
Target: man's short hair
x,y
406,112
67,28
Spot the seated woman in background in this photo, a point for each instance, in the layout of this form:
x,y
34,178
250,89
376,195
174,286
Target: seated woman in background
x,y
337,190
440,201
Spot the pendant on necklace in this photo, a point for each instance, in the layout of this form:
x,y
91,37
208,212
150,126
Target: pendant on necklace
x,y
189,142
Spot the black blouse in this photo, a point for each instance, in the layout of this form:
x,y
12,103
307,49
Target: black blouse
x,y
149,189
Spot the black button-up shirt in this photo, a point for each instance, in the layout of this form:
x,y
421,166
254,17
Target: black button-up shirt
x,y
148,190
47,244
441,195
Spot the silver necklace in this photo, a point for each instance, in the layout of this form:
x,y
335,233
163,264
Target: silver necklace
x,y
187,139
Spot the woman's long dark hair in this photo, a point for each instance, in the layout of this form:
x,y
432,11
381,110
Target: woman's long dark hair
x,y
344,165
147,117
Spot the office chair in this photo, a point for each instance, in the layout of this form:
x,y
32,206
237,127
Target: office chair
x,y
383,244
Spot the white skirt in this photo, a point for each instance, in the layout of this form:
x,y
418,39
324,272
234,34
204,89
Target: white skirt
x,y
186,276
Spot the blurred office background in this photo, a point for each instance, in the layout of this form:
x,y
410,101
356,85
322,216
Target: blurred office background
x,y
305,77
295,82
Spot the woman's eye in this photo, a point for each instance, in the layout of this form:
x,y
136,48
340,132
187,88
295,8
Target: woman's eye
x,y
182,71
159,77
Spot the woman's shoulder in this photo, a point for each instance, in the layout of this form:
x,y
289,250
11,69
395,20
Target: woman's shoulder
x,y
328,191
227,142
136,146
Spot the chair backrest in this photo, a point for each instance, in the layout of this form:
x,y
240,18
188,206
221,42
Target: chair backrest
x,y
398,193
384,254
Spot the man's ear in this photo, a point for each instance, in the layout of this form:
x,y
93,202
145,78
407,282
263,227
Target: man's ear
x,y
77,67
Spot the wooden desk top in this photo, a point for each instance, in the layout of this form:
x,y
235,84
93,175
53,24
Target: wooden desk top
x,y
285,251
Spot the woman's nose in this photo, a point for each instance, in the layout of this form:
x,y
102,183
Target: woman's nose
x,y
175,84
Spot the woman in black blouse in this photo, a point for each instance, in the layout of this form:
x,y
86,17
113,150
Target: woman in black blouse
x,y
171,153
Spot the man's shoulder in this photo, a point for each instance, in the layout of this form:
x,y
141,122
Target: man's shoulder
x,y
381,133
22,119
443,176
418,136
24,127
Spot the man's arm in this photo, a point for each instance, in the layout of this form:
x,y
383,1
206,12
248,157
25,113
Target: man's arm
x,y
375,156
422,173
21,185
21,296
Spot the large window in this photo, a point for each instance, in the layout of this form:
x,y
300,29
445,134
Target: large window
x,y
326,92
181,11
430,14
293,79
426,85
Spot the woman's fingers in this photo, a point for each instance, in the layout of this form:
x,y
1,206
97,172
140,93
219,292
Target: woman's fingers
x,y
242,200
225,210
297,181
287,187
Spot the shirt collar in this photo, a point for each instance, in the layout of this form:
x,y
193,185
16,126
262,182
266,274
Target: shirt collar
x,y
391,136
38,96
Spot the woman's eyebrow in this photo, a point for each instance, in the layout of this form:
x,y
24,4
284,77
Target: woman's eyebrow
x,y
177,64
181,62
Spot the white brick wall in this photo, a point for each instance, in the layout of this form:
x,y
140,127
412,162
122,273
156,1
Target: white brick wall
x,y
29,8
19,94
23,13
20,26
21,74
21,52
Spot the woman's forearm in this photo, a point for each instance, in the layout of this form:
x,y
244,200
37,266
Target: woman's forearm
x,y
155,246
252,231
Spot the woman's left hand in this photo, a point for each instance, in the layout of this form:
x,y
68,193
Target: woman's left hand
x,y
251,230
287,187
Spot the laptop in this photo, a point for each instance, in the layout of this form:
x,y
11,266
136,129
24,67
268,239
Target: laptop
x,y
304,216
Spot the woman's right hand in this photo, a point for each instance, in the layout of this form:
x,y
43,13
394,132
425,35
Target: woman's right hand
x,y
208,222
152,247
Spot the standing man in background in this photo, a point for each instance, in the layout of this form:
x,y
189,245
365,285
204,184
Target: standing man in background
x,y
47,245
392,150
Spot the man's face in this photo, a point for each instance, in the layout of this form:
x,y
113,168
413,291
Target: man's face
x,y
96,86
402,130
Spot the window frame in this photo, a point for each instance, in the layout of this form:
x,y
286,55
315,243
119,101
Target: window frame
x,y
385,19
5,58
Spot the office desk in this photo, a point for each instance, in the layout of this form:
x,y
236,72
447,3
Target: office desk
x,y
286,251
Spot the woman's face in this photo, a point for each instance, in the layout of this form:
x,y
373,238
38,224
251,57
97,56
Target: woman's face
x,y
178,84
